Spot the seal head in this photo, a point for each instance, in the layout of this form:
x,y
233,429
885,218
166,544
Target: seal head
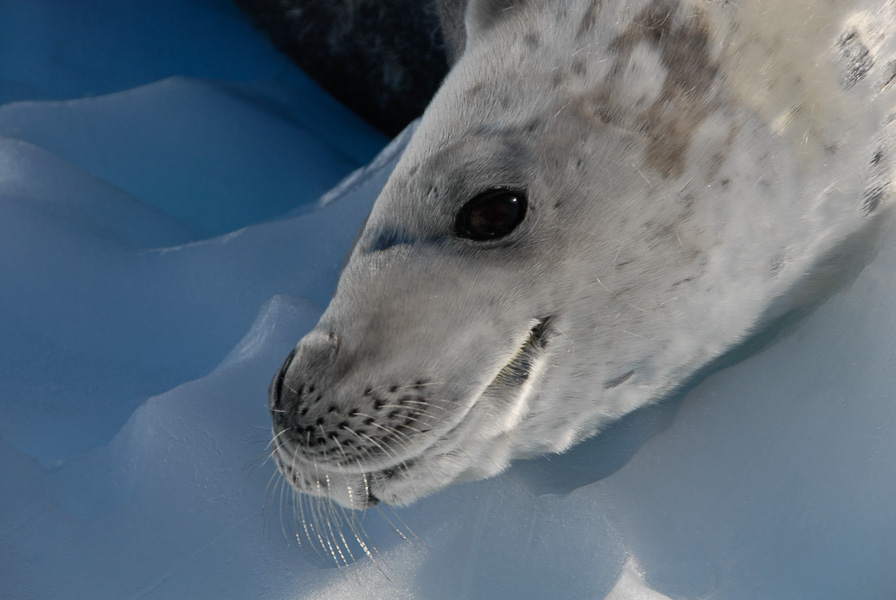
x,y
593,207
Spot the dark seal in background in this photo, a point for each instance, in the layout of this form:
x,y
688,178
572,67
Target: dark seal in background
x,y
383,59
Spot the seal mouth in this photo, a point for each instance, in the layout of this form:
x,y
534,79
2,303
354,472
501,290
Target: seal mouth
x,y
356,487
509,386
519,369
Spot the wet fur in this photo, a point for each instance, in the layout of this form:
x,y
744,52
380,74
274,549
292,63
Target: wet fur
x,y
694,170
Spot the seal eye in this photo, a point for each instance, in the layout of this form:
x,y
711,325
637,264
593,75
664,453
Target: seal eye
x,y
491,215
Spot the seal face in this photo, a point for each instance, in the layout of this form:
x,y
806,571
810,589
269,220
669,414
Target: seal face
x,y
603,197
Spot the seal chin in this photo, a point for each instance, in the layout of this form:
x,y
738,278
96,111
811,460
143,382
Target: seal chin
x,y
351,490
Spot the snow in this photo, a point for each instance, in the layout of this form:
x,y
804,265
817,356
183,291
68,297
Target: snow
x,y
162,247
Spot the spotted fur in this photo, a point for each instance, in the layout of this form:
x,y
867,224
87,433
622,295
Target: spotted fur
x,y
694,169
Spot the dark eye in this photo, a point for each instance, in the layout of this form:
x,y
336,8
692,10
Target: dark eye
x,y
491,215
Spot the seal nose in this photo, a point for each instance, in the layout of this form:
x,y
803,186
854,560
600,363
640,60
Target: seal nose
x,y
276,386
313,355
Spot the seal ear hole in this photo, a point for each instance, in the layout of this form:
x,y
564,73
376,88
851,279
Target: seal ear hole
x,y
389,239
491,215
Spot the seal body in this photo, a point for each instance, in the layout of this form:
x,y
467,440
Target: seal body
x,y
683,172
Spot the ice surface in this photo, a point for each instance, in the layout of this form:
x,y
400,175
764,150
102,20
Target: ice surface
x,y
193,149
59,49
137,351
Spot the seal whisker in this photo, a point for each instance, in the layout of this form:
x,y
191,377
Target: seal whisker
x,y
307,527
402,439
332,510
317,523
369,548
286,500
343,519
337,519
426,424
427,405
385,451
271,455
314,530
402,463
274,443
394,388
298,507
335,510
393,431
323,505
402,406
416,539
361,535
270,492
318,520
355,526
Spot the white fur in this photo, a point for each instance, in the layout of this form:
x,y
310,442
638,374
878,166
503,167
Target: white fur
x,y
685,188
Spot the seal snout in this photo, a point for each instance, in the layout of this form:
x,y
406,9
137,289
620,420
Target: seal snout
x,y
293,386
323,415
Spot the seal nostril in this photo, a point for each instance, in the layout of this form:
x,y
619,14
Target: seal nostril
x,y
276,388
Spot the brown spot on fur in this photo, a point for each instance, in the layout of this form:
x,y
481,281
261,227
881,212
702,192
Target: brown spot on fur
x,y
589,19
557,79
889,74
618,380
857,58
686,96
872,199
718,158
475,90
532,125
532,40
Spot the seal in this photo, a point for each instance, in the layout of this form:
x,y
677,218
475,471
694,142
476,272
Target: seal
x,y
603,197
